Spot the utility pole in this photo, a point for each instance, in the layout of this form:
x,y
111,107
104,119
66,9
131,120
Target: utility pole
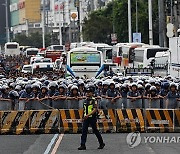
x,y
176,25
136,16
150,22
7,22
80,20
129,21
43,24
162,24
70,33
60,32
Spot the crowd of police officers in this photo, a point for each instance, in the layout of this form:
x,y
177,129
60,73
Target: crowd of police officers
x,y
111,92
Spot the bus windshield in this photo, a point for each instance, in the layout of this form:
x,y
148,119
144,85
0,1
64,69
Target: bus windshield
x,y
58,47
152,52
32,52
85,58
12,46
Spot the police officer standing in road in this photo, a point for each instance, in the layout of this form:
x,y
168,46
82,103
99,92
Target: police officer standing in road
x,y
90,113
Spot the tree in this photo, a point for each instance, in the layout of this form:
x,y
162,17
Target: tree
x,y
35,40
99,24
98,27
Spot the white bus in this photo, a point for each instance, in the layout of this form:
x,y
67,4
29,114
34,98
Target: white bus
x,y
85,61
106,51
12,48
143,56
122,53
29,52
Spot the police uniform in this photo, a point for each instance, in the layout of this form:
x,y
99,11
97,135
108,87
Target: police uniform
x,y
89,105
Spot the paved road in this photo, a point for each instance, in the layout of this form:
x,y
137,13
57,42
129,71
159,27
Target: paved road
x,y
68,143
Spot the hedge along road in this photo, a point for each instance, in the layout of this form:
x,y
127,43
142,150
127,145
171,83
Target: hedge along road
x,y
68,143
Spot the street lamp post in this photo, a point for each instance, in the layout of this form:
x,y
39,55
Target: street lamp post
x,y
136,16
129,21
60,32
150,23
43,25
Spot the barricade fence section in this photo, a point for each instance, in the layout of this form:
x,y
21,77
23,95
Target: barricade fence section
x,y
54,116
103,103
70,121
14,122
159,120
106,120
130,120
44,121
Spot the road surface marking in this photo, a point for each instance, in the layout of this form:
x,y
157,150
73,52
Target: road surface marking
x,y
51,144
57,144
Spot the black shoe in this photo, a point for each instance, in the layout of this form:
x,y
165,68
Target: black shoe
x,y
82,147
101,146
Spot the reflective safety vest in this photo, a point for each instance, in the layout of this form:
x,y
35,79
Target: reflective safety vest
x,y
89,105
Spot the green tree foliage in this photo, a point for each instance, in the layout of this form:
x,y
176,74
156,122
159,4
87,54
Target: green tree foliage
x,y
99,24
35,40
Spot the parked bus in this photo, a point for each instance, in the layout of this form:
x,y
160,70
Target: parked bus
x,y
12,48
143,56
85,61
122,53
106,51
54,52
30,52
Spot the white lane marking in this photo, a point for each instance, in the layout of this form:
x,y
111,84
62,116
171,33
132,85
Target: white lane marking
x,y
57,144
51,144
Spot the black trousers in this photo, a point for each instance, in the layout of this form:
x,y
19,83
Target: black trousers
x,y
86,123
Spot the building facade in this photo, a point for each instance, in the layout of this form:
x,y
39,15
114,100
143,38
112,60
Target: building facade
x,y
25,15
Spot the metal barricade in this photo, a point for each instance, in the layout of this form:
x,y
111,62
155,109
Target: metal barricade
x,y
171,103
5,105
134,104
81,102
103,103
117,104
59,104
73,104
124,102
21,105
37,105
42,105
152,103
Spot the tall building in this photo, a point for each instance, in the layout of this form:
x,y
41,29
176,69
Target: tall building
x,y
25,16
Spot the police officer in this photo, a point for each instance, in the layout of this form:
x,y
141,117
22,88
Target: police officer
x,y
90,112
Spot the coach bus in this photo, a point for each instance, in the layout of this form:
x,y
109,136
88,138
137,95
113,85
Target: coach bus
x,y
143,56
12,48
85,61
122,53
54,52
106,51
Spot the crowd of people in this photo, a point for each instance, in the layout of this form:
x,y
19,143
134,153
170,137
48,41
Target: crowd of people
x,y
111,92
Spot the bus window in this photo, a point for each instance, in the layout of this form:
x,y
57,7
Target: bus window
x,y
139,56
32,52
151,53
120,51
12,46
58,47
109,54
